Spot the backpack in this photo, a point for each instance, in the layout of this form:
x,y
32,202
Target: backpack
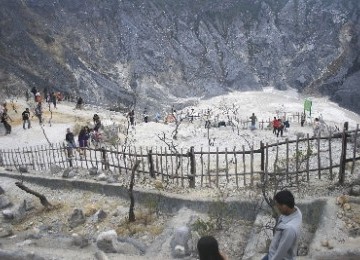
x,y
25,115
38,111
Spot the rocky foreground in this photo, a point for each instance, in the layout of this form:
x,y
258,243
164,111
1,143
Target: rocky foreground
x,y
84,223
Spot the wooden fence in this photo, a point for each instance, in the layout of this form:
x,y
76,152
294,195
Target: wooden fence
x,y
297,160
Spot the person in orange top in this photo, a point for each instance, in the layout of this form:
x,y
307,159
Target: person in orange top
x,y
276,125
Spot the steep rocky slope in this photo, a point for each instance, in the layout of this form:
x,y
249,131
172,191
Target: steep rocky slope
x,y
119,51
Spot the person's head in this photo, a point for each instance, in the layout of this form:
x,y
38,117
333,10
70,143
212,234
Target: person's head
x,y
274,117
27,109
68,130
253,114
316,119
285,202
208,248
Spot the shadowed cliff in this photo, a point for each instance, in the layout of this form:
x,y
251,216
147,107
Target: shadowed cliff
x,y
160,51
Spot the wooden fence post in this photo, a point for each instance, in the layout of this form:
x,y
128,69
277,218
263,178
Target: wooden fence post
x,y
192,168
262,156
69,155
343,154
262,165
104,159
151,164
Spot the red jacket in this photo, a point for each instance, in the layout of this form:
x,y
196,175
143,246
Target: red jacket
x,y
276,123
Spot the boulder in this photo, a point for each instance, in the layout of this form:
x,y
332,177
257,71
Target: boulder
x,y
93,171
19,255
107,242
4,201
69,173
77,218
23,169
6,232
102,177
17,213
80,241
8,214
100,255
100,215
34,233
355,190
29,205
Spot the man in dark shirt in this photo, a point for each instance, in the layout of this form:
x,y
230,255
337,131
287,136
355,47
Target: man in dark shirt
x,y
26,118
70,142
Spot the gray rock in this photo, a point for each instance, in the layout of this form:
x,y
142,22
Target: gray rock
x,y
80,241
354,232
20,211
55,169
19,255
100,255
17,213
4,201
111,179
136,243
180,242
107,242
33,234
77,218
23,169
100,215
102,177
29,205
355,190
69,173
2,191
8,214
93,171
6,232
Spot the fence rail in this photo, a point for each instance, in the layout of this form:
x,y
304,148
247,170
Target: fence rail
x,y
295,160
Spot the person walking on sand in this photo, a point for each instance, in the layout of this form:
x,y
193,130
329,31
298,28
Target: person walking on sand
x,y
275,124
26,118
39,112
303,117
280,128
131,116
287,230
5,118
253,121
69,137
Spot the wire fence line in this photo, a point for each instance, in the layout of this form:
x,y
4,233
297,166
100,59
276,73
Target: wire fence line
x,y
297,160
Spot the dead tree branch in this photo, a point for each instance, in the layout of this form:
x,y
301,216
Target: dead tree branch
x,y
42,198
131,195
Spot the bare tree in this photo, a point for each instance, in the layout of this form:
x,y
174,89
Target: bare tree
x,y
132,217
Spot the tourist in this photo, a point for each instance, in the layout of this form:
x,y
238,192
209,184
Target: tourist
x,y
26,118
208,249
253,122
287,230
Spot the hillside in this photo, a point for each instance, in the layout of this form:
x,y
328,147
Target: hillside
x,y
154,53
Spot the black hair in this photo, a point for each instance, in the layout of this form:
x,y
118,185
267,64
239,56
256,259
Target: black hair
x,y
285,197
208,248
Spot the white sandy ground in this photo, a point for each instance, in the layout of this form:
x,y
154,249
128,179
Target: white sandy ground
x,y
265,105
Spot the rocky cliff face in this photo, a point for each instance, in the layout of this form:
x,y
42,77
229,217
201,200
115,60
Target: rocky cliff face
x,y
159,51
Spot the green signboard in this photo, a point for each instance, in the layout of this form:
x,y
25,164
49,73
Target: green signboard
x,y
307,105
